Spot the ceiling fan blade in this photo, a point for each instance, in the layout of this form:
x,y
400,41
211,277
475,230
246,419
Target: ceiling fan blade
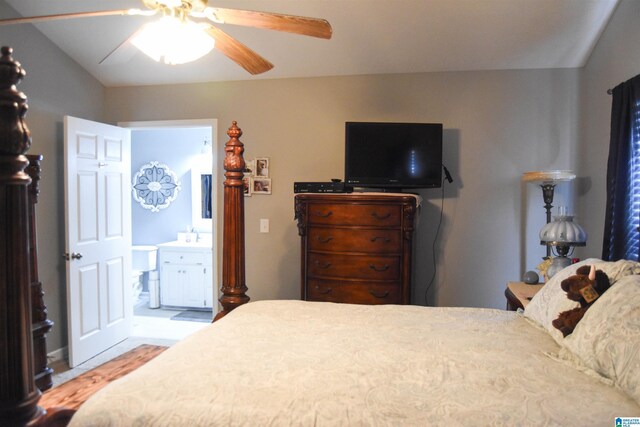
x,y
44,18
313,27
239,53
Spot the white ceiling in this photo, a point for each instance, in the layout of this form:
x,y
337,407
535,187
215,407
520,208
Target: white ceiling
x,y
369,37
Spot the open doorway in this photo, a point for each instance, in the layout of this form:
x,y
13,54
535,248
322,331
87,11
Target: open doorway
x,y
175,295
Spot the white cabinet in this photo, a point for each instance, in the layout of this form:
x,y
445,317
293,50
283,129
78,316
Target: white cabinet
x,y
186,279
209,300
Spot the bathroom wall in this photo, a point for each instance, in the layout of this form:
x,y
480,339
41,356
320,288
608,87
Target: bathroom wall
x,y
179,149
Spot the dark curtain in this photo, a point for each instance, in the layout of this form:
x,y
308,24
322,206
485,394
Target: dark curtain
x,y
622,215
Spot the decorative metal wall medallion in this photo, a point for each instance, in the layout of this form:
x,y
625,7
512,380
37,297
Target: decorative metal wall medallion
x,y
155,186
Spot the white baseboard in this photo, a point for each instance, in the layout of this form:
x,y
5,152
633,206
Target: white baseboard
x,y
59,354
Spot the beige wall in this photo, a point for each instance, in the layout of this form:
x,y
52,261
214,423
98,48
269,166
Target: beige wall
x,y
616,58
497,125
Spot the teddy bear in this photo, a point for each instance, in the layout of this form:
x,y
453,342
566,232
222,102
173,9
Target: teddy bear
x,y
584,287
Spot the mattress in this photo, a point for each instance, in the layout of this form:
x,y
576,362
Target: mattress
x,y
282,363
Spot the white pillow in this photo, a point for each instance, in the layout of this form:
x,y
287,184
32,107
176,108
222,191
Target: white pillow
x,y
607,339
552,300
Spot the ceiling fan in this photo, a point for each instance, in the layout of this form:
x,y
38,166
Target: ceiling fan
x,y
188,25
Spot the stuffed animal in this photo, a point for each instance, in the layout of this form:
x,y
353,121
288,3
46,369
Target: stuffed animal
x,y
584,287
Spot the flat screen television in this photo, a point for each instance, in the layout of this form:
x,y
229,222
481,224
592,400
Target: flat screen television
x,y
393,155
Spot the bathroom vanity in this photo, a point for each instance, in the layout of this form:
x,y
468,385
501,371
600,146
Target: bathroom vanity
x,y
186,278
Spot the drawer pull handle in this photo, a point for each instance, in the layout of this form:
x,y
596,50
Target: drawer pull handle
x,y
383,268
376,238
323,292
324,215
324,239
378,216
386,294
324,266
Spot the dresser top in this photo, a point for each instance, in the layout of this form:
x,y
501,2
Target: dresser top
x,y
365,196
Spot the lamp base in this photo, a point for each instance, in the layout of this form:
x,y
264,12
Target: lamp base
x,y
557,264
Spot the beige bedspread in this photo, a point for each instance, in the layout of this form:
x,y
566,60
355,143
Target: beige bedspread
x,y
294,363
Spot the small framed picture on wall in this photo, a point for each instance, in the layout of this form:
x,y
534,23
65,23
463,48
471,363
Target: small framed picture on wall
x,y
246,180
262,167
261,186
250,167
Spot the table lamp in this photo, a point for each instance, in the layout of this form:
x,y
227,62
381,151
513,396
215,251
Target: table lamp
x,y
548,180
563,234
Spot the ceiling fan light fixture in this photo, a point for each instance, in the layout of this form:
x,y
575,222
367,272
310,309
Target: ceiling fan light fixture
x,y
174,41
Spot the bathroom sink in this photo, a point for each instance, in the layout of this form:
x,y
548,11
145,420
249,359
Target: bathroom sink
x,y
184,244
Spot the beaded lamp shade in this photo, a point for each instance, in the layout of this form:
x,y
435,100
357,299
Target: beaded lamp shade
x,y
563,234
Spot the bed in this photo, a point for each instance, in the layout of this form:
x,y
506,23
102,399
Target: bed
x,y
311,363
315,363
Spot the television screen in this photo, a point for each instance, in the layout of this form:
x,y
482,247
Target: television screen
x,y
393,155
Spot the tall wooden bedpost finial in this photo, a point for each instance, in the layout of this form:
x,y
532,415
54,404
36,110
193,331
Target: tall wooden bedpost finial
x,y
233,275
18,392
15,137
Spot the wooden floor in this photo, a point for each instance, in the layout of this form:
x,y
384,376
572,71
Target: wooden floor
x,y
74,392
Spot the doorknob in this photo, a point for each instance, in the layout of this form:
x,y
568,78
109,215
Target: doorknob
x,y
74,255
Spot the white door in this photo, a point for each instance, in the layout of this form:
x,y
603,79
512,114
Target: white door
x,y
98,240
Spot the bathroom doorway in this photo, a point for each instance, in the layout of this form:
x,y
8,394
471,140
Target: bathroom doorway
x,y
184,148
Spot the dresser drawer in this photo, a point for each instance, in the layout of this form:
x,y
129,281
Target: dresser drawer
x,y
354,240
354,214
348,292
355,266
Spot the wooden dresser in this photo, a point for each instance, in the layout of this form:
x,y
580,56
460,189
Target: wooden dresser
x,y
356,248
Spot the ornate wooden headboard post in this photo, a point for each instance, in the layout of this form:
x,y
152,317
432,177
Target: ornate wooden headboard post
x,y
41,325
233,275
18,392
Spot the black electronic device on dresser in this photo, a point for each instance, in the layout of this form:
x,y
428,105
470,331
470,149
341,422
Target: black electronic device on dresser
x,y
321,187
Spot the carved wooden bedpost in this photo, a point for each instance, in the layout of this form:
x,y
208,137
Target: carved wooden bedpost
x,y
233,275
18,392
41,325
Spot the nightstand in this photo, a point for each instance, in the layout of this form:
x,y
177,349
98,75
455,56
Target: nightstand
x,y
519,294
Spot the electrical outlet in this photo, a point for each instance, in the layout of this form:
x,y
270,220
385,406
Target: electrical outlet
x,y
264,225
